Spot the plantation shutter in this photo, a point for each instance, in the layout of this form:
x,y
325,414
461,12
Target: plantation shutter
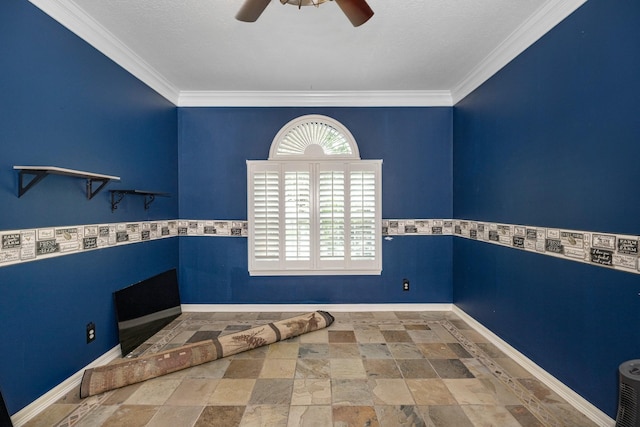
x,y
314,217
364,228
314,208
266,218
297,215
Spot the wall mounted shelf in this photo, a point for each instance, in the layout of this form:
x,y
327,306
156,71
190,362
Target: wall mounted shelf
x,y
39,173
149,197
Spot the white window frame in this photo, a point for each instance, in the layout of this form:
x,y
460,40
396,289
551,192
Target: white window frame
x,y
313,161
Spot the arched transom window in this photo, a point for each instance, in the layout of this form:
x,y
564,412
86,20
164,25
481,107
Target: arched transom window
x,y
314,207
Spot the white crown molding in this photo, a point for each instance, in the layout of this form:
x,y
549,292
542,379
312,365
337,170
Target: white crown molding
x,y
540,23
417,98
67,13
297,308
573,398
34,408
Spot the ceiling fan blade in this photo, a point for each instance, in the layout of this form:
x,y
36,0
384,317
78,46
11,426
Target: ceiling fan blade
x,y
251,10
358,11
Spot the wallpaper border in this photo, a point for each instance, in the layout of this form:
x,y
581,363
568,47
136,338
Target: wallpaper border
x,y
609,250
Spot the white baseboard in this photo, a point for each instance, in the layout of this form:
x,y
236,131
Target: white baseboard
x,y
297,308
34,408
573,398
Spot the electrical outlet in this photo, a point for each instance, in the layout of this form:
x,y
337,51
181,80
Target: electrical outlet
x,y
405,284
91,332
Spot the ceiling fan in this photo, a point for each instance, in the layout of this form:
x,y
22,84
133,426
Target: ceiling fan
x,y
358,11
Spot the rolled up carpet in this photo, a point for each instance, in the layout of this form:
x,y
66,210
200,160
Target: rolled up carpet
x,y
125,372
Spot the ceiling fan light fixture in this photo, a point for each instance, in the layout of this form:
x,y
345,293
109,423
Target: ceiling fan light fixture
x,y
251,10
357,11
301,3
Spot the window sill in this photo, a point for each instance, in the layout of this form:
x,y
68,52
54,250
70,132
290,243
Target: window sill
x,y
315,273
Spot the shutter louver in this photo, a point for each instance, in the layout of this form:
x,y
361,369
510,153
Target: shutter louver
x,y
297,195
266,215
331,214
363,215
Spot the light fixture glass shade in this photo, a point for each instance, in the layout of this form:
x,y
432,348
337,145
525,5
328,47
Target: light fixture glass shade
x,y
303,2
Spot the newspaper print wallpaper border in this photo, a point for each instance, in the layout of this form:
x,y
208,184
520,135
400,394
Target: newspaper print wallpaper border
x,y
19,246
609,250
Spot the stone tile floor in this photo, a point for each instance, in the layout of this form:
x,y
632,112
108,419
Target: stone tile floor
x,y
367,369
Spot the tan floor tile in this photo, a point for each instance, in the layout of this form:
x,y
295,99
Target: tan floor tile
x,y
416,368
470,391
342,337
290,383
283,350
399,416
193,392
232,392
424,336
220,416
524,417
272,392
490,415
445,416
347,368
310,416
369,336
437,351
172,416
503,394
396,336
244,368
405,350
346,416
315,337
384,315
265,416
120,395
390,392
312,368
381,368
351,393
96,417
214,369
153,392
278,368
430,392
51,415
344,351
311,392
131,415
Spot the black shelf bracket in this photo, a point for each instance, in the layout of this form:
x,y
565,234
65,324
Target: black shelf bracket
x,y
90,191
39,173
37,177
149,197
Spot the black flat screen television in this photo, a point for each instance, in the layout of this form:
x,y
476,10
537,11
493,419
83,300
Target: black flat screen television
x,y
5,419
144,308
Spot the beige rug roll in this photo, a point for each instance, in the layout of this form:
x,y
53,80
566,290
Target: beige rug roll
x,y
125,372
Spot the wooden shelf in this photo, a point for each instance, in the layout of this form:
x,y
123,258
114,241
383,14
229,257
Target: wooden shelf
x,y
41,172
149,197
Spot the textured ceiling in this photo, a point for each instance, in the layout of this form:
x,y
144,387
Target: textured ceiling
x,y
408,45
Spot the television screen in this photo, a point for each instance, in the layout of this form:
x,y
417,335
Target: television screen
x,y
144,308
5,419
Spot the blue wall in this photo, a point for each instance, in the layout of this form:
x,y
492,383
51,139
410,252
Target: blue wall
x,y
415,146
552,140
65,104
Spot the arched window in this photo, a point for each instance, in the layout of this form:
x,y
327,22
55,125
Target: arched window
x,y
314,207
